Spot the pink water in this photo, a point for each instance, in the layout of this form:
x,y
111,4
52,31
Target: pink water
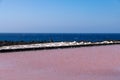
x,y
90,63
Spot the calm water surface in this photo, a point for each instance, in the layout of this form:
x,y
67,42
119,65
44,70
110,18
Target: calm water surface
x,y
57,37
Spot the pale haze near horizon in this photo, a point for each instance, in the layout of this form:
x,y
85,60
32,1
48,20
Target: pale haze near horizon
x,y
60,16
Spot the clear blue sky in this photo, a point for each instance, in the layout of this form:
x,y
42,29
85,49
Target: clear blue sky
x,y
60,16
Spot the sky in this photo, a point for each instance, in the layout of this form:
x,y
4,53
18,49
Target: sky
x,y
60,16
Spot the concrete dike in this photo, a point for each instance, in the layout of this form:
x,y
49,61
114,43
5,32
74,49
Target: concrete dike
x,y
53,45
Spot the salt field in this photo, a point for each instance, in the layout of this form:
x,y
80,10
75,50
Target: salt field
x,y
86,63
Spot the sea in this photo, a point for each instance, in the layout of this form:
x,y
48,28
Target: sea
x,y
59,37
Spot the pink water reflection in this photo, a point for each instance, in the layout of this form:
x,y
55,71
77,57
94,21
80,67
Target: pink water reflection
x,y
90,63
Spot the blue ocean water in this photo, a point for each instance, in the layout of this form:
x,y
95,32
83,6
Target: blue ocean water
x,y
57,37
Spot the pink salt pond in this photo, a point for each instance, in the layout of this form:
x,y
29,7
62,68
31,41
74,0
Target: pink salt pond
x,y
90,63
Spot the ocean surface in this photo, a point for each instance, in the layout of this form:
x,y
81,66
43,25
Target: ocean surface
x,y
57,37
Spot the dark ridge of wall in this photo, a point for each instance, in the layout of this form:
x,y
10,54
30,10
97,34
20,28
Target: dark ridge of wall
x,y
9,43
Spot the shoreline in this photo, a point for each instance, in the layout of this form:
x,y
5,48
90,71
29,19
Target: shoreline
x,y
54,45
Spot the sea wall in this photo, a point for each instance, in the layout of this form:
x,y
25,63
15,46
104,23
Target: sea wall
x,y
53,45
